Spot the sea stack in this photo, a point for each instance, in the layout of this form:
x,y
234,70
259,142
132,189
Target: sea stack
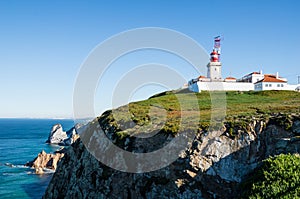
x,y
60,137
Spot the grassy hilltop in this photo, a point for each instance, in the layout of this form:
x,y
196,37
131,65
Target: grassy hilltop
x,y
175,110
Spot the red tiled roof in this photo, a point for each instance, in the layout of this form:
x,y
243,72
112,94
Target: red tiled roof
x,y
230,78
271,79
201,76
270,75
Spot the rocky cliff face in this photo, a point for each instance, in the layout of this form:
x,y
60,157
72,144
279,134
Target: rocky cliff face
x,y
212,167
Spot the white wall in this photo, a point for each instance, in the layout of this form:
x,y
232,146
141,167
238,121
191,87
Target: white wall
x,y
257,77
292,87
238,86
219,86
272,86
262,86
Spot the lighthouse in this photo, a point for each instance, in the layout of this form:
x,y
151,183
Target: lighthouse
x,y
214,72
255,81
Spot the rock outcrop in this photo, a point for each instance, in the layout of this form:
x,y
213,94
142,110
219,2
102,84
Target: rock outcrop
x,y
65,138
296,127
213,165
45,161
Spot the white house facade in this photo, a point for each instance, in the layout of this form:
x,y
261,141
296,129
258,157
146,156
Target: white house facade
x,y
271,83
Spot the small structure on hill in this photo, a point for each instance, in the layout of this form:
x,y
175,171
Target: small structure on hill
x,y
254,81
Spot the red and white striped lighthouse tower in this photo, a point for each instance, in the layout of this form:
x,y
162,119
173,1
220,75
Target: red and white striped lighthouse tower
x,y
214,66
214,56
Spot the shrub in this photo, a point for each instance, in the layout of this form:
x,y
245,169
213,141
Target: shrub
x,y
278,177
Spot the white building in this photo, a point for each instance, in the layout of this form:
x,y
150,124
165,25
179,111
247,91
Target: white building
x,y
271,83
254,81
252,77
258,76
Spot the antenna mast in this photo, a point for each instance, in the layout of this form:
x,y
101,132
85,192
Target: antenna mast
x,y
217,45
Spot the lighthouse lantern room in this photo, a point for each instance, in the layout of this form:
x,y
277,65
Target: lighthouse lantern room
x,y
214,66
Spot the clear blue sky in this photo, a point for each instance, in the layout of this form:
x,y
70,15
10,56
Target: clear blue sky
x,y
43,43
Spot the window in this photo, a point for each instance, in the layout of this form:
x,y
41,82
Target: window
x,y
267,85
278,85
281,85
270,85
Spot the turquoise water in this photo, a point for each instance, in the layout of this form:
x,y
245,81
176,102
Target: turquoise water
x,y
20,141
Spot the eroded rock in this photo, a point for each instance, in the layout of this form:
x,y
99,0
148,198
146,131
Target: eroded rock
x,y
45,161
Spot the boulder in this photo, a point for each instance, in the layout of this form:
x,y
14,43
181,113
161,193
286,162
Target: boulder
x,y
45,161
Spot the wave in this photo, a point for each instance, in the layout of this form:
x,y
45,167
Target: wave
x,y
14,174
28,172
15,166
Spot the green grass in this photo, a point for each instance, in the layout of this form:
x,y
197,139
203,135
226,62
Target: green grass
x,y
262,102
173,111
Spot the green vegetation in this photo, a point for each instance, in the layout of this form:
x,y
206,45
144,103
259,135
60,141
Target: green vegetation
x,y
263,102
166,112
278,177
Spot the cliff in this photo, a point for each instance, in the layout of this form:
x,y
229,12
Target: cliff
x,y
212,165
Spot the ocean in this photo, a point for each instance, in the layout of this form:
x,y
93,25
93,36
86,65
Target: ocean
x,y
20,141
